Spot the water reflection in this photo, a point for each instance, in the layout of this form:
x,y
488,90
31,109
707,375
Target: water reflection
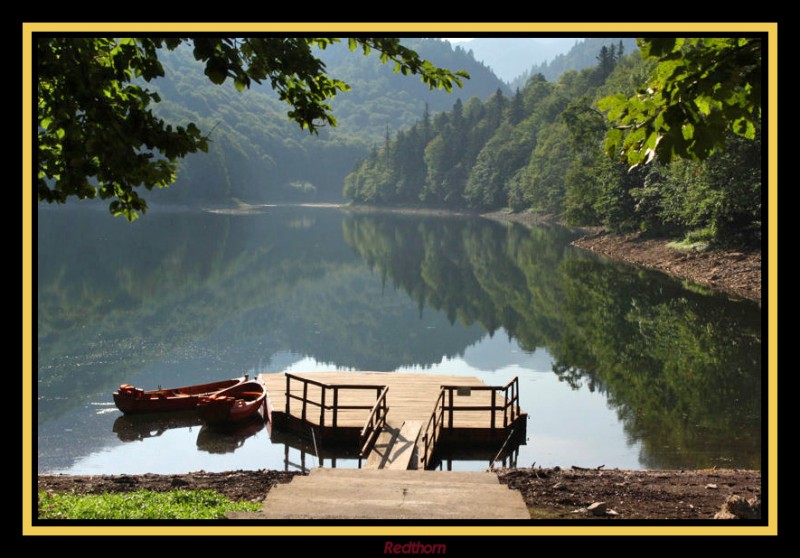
x,y
186,298
302,453
135,428
227,439
682,370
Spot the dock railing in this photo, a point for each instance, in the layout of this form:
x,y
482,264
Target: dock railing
x,y
328,401
375,422
445,409
433,431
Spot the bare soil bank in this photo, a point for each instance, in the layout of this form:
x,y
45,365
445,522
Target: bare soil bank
x,y
567,493
730,271
736,272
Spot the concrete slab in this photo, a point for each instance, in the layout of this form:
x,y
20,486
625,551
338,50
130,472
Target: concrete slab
x,y
392,494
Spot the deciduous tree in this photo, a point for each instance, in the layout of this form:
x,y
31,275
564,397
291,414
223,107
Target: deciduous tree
x,y
700,90
98,136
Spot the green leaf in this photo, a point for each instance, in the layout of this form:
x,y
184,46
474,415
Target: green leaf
x,y
745,128
704,104
216,70
656,47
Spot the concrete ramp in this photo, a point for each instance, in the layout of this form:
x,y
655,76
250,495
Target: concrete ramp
x,y
395,447
391,494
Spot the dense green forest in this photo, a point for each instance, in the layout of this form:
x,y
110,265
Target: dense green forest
x,y
542,150
259,156
583,54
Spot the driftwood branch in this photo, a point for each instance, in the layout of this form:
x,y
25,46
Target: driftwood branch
x,y
576,468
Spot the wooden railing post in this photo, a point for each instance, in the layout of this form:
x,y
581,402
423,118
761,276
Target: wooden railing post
x,y
322,408
508,403
335,405
450,408
305,400
513,399
288,391
494,403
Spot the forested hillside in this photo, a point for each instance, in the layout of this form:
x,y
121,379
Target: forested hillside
x,y
258,155
542,150
582,55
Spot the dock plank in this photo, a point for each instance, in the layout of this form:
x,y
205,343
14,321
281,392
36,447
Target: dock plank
x,y
402,452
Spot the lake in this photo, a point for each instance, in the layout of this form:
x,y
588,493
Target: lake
x,y
617,366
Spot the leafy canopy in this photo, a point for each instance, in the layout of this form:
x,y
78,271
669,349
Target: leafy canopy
x,y
700,90
98,136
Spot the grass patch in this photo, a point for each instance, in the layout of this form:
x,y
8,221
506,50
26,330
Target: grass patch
x,y
698,240
687,245
141,504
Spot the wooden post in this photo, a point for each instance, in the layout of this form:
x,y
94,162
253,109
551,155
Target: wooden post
x,y
335,405
494,402
305,399
450,409
505,407
288,399
322,409
513,401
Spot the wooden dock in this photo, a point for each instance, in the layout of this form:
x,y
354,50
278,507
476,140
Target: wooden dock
x,y
395,420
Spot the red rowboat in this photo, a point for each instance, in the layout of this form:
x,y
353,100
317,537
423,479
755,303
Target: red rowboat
x,y
235,404
133,400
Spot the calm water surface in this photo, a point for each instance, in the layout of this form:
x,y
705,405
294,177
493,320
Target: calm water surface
x,y
617,367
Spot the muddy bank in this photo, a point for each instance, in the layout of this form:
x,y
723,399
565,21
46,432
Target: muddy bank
x,y
730,271
735,272
549,493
